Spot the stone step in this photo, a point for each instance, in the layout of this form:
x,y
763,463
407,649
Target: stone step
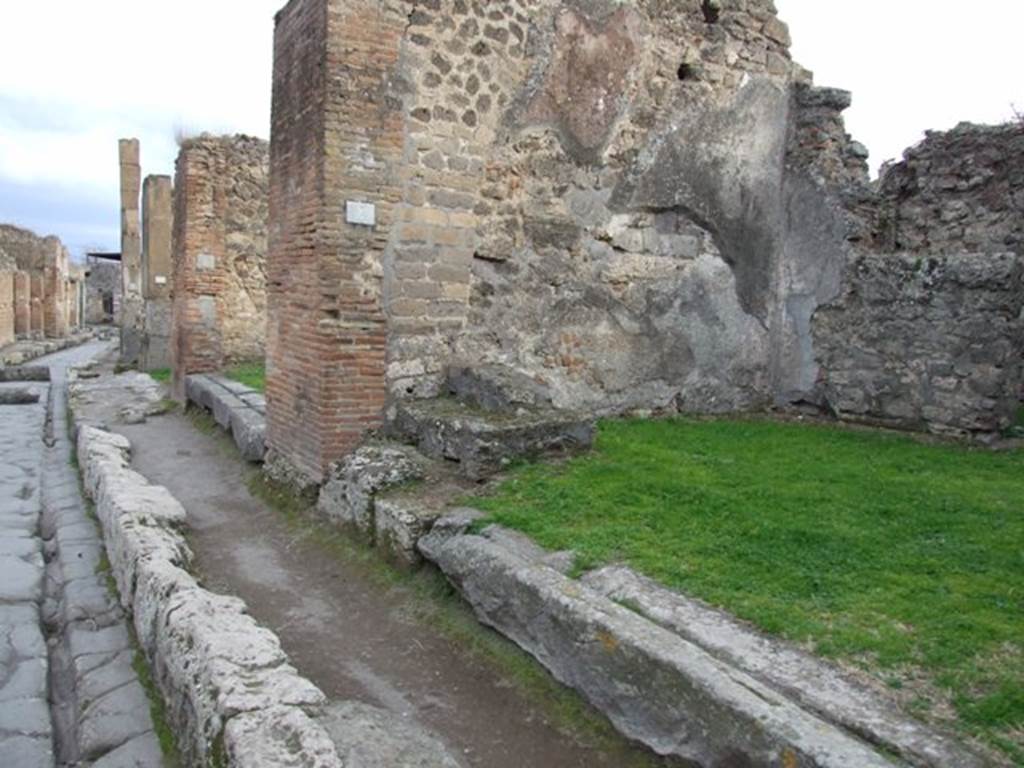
x,y
484,442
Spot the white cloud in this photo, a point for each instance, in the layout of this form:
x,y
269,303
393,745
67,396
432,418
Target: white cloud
x,y
107,69
75,76
912,65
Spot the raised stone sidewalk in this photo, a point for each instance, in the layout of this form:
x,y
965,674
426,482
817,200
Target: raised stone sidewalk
x,y
239,409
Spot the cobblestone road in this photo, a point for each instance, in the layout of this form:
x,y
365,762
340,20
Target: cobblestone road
x,y
68,693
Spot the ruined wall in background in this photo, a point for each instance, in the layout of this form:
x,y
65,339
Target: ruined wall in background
x,y
8,269
157,272
959,191
219,254
928,332
103,291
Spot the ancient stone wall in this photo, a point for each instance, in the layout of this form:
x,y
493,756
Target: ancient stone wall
x,y
956,192
219,253
574,202
157,272
926,342
928,331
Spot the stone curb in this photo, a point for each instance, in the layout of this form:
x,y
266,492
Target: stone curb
x,y
226,680
666,689
237,408
815,684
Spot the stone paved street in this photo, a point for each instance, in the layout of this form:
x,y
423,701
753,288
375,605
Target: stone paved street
x,y
68,693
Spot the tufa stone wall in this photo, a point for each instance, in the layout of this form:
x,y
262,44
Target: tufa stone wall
x,y
219,254
927,334
958,191
926,342
157,272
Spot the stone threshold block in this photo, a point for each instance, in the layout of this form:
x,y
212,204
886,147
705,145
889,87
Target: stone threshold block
x,y
484,442
683,679
237,408
390,495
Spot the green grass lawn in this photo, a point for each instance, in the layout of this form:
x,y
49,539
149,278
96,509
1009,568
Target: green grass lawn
x,y
904,558
252,374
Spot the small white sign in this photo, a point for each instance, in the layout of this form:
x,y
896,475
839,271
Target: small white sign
x,y
363,214
160,280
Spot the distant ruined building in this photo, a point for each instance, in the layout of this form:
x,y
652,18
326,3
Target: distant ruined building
x,y
42,294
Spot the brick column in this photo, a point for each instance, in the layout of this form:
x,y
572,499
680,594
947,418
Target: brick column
x,y
55,312
131,251
22,305
36,311
157,266
6,307
337,136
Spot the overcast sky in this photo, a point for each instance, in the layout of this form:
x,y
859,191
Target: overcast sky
x,y
75,76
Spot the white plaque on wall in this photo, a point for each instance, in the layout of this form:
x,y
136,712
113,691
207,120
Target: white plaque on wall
x,y
362,214
160,280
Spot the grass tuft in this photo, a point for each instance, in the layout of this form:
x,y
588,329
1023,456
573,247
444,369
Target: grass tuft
x,y
870,547
252,374
163,375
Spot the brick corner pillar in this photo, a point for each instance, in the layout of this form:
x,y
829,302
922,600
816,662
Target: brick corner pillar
x,y
196,345
131,251
157,266
327,331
